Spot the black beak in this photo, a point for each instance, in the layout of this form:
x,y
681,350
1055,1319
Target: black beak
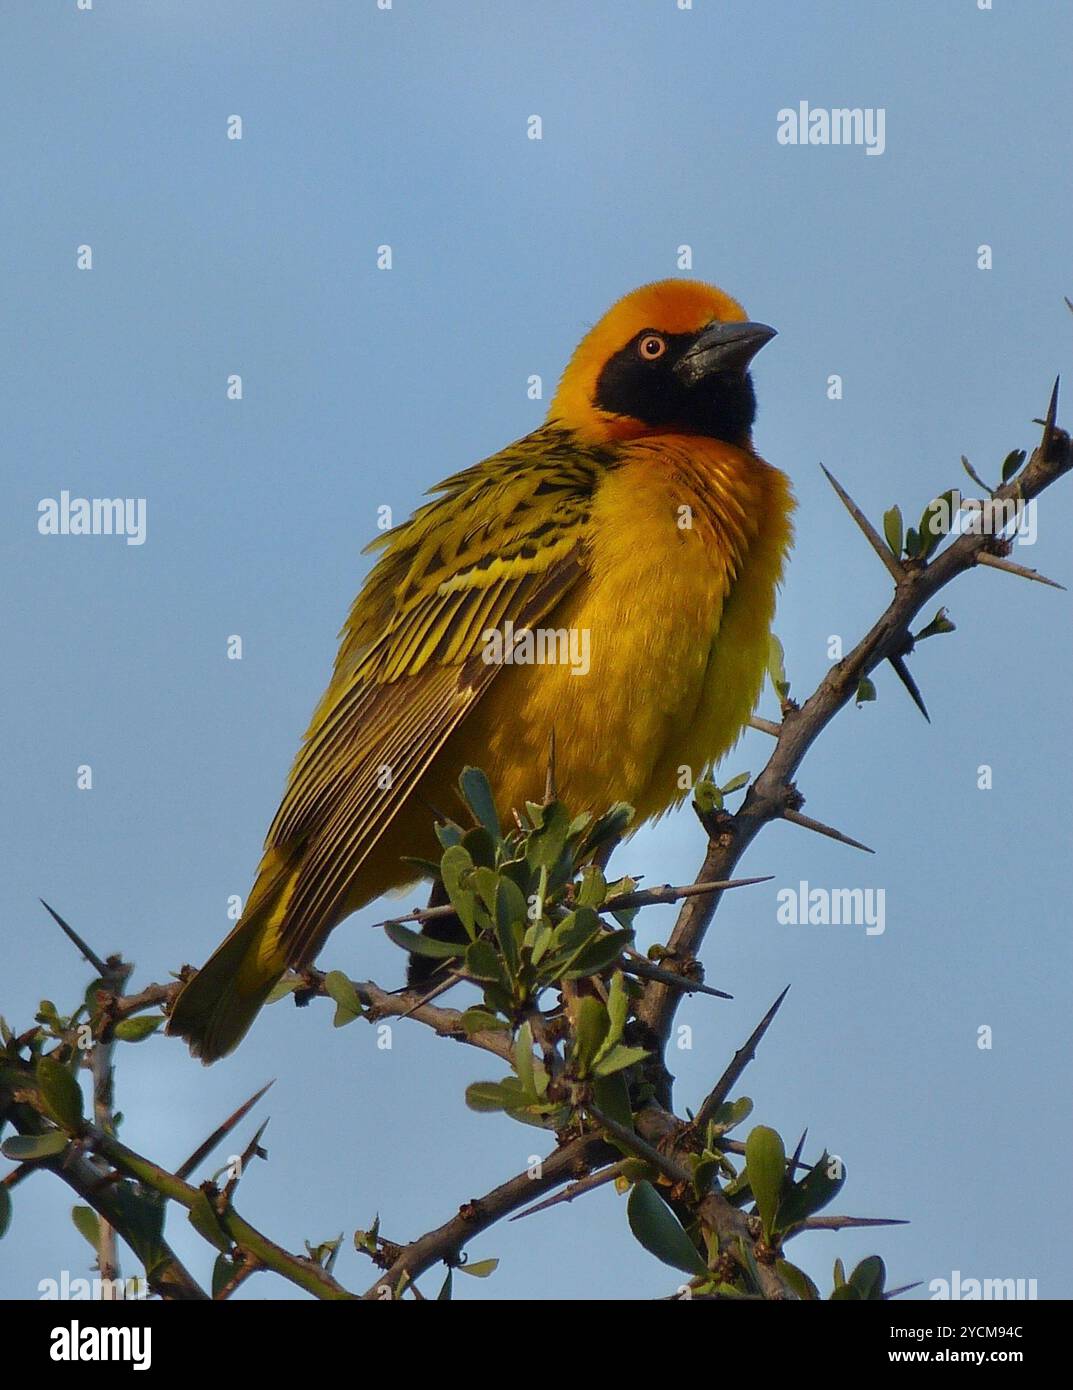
x,y
722,347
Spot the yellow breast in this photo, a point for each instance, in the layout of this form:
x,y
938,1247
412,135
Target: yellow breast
x,y
661,651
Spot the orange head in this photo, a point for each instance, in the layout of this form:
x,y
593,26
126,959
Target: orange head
x,y
671,357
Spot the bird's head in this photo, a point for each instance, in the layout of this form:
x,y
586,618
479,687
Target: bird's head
x,y
671,357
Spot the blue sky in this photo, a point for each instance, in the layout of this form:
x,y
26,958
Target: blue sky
x,y
362,387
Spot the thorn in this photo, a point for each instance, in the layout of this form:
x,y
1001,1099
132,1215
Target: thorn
x,y
576,1189
739,1062
252,1148
549,780
648,897
904,1288
647,971
875,540
766,726
807,823
795,1162
73,936
1069,303
441,988
996,562
904,675
663,1163
844,1223
203,1150
1049,423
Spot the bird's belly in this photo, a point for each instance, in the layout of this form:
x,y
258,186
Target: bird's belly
x,y
624,691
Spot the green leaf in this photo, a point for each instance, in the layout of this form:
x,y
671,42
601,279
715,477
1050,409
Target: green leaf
x,y
912,544
143,1222
736,783
590,1028
448,834
575,929
618,1007
87,1223
707,797
61,1093
618,1058
729,1115
348,1005
612,1097
523,1059
894,530
222,1271
478,1020
607,829
939,624
28,1148
446,1288
477,795
482,963
5,1211
598,954
511,919
207,1224
478,1269
455,868
593,888
866,691
1011,463
776,668
281,990
480,847
545,846
935,523
815,1190
868,1279
657,1228
420,945
137,1028
798,1280
765,1166
485,1097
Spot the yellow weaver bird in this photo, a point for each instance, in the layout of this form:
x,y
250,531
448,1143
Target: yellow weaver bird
x,y
638,516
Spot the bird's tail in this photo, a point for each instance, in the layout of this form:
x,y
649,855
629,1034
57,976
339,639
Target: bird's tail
x,y
213,1011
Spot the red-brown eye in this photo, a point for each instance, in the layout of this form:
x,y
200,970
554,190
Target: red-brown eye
x,y
652,346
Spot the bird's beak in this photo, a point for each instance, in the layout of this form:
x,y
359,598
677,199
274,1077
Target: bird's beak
x,y
722,347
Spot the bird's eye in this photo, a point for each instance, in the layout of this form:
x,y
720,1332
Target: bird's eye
x,y
652,346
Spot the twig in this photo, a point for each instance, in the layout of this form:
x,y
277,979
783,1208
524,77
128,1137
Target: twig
x,y
446,1242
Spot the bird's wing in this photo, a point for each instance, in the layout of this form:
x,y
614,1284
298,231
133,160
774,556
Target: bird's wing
x,y
505,540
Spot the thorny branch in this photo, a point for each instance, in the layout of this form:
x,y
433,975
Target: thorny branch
x,y
94,1163
773,792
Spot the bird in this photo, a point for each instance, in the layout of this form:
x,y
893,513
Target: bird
x,y
638,519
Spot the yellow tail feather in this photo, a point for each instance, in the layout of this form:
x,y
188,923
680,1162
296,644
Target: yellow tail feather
x,y
213,1011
